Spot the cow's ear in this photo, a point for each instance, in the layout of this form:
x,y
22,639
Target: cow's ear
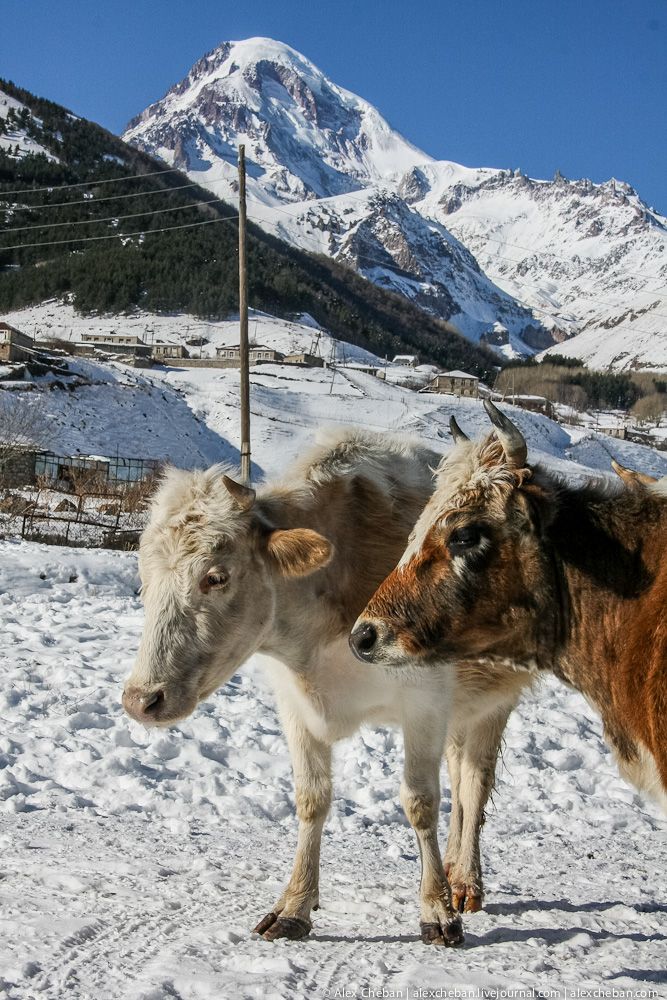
x,y
539,506
299,551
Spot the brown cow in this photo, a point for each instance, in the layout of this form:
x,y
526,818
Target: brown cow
x,y
508,562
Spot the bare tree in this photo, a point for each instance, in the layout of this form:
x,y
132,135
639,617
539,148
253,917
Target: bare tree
x,y
651,409
23,427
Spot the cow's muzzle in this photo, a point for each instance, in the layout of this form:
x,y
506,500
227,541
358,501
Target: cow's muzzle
x,y
367,639
144,706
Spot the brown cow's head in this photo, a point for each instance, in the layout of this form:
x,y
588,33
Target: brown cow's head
x,y
209,561
474,578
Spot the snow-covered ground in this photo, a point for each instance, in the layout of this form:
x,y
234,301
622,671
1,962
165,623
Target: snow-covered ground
x,y
134,864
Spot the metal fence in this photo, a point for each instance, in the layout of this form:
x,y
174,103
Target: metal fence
x,y
82,532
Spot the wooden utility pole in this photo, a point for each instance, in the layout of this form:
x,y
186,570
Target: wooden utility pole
x,y
244,350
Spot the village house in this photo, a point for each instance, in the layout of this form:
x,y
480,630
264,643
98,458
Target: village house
x,y
406,360
108,339
14,345
619,431
310,360
258,355
366,369
455,382
169,351
536,404
128,348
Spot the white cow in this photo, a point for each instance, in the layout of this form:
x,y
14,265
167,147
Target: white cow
x,y
285,573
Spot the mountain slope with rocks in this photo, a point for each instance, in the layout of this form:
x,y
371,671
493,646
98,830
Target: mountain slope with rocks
x,y
311,145
548,260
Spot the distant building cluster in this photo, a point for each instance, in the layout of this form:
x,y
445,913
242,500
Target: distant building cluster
x,y
133,350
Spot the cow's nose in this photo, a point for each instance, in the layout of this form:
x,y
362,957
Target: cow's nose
x,y
144,706
363,641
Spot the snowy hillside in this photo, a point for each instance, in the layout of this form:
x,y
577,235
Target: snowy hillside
x,y
14,129
328,173
190,415
394,246
53,320
589,258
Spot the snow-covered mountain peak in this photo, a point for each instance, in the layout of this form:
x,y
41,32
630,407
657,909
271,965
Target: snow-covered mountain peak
x,y
548,260
305,136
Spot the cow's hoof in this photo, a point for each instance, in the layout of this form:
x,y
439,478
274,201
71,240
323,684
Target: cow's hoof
x,y
292,928
273,926
447,935
467,898
265,923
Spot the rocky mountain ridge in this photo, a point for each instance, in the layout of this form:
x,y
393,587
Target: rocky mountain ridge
x,y
546,260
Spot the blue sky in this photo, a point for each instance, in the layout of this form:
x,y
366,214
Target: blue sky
x,y
575,86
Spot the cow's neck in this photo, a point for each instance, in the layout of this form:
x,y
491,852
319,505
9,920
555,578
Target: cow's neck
x,y
369,533
605,555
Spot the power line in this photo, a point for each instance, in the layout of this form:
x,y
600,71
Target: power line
x,y
92,183
365,257
113,218
127,236
364,192
110,180
110,197
361,257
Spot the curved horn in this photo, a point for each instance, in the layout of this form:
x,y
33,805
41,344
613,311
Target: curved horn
x,y
630,476
243,495
510,437
456,431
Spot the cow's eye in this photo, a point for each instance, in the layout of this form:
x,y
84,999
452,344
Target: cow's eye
x,y
213,581
463,539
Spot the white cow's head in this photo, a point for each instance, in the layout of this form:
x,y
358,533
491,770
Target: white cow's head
x,y
209,561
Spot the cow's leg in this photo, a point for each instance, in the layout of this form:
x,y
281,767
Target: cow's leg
x,y
420,798
311,763
454,752
477,755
